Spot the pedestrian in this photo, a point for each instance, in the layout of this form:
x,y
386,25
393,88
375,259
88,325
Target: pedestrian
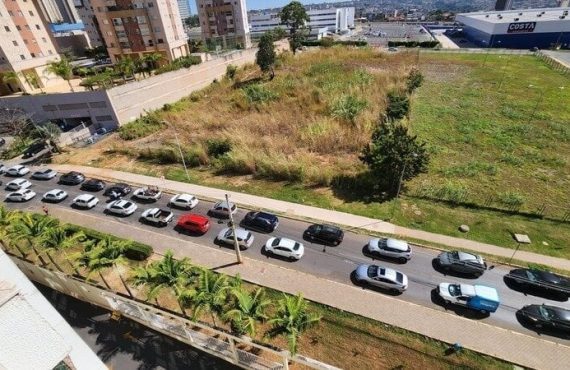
x,y
46,210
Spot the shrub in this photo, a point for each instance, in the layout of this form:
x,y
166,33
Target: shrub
x,y
413,44
414,80
141,127
218,147
159,155
511,199
348,107
327,42
398,106
182,62
256,93
231,71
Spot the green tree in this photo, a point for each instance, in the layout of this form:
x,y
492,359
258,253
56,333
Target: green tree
x,y
248,309
414,80
295,17
125,67
151,60
11,76
7,218
33,81
394,155
398,106
278,33
265,56
231,71
168,273
292,319
31,228
209,295
62,68
192,21
57,239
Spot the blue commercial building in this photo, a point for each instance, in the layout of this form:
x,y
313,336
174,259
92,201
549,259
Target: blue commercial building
x,y
518,29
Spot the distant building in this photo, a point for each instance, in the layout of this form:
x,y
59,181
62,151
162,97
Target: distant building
x,y
132,28
224,22
87,15
518,29
184,9
334,20
503,4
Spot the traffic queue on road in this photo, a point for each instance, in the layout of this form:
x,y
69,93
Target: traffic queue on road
x,y
480,298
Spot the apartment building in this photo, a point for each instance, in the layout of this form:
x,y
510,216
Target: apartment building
x,y
90,23
25,48
133,28
224,22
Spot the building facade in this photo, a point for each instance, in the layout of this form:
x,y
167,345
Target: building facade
x,y
334,20
133,28
224,22
518,29
25,48
184,9
91,25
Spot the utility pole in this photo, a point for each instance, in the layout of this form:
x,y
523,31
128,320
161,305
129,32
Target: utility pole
x,y
233,226
179,148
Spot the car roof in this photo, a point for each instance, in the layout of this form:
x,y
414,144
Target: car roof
x,y
85,196
18,180
548,276
400,245
241,233
185,196
223,204
463,256
18,166
287,243
54,191
120,202
388,273
265,215
193,217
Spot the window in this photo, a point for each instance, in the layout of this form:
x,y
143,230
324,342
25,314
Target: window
x,y
10,13
7,28
38,27
44,39
25,41
27,27
160,41
150,4
50,52
33,55
31,13
109,33
15,43
18,28
22,57
20,13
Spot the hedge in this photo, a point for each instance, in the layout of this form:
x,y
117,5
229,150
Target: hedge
x,y
347,43
413,44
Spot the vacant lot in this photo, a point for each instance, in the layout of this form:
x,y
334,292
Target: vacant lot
x,y
496,127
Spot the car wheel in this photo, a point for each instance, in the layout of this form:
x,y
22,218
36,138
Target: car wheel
x,y
395,291
291,258
447,302
336,242
402,259
484,312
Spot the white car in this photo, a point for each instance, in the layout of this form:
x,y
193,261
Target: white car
x,y
223,209
21,195
147,193
382,277
55,196
45,174
391,248
18,184
121,207
285,248
86,201
244,237
17,170
185,201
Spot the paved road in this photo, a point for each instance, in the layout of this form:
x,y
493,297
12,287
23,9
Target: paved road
x,y
334,263
126,344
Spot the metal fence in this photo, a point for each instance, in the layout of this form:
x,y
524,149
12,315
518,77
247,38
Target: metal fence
x,y
478,51
552,62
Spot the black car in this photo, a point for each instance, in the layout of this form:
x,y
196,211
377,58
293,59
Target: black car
x,y
546,317
93,185
72,178
120,189
539,280
260,221
326,234
35,148
462,262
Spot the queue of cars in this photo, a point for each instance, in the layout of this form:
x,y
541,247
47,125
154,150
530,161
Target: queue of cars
x,y
476,297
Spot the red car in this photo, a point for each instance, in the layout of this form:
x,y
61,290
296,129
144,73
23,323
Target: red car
x,y
193,223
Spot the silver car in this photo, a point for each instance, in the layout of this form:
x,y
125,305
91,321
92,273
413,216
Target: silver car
x,y
222,209
45,174
244,237
382,277
391,248
121,207
462,262
54,196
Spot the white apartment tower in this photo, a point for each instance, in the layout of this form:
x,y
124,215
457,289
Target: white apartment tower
x,y
25,48
133,28
224,22
87,16
184,9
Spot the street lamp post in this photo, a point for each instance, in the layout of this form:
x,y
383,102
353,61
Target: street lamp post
x,y
179,148
233,226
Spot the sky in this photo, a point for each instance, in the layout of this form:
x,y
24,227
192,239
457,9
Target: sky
x,y
262,4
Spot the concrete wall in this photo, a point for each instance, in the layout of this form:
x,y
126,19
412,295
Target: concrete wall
x,y
133,99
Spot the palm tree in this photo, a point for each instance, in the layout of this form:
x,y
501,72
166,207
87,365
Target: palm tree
x,y
210,295
139,66
165,273
31,228
114,251
88,82
63,69
292,319
60,239
125,67
33,81
152,60
7,218
94,260
248,310
12,76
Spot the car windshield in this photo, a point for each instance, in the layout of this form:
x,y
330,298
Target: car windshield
x,y
531,275
128,205
545,312
275,242
228,233
296,246
454,290
454,255
373,271
399,277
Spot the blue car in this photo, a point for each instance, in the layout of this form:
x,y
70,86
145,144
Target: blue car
x,y
261,221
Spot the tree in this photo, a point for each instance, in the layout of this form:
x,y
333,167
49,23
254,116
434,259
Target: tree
x,y
62,68
249,308
166,273
398,106
33,81
394,155
112,251
192,21
295,17
265,56
209,295
31,228
414,80
292,319
59,238
125,67
50,132
7,218
278,33
11,76
152,60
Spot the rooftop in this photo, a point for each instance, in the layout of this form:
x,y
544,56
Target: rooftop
x,y
520,15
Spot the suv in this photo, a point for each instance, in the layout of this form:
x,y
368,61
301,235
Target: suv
x,y
119,188
193,223
222,209
326,234
93,185
72,178
391,248
462,262
261,221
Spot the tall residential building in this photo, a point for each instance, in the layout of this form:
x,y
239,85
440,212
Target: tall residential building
x,y
133,28
87,16
25,47
184,8
224,22
59,11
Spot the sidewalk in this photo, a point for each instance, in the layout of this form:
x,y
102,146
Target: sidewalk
x,y
501,343
301,211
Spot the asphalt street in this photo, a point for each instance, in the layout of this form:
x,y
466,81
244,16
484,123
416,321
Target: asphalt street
x,y
334,263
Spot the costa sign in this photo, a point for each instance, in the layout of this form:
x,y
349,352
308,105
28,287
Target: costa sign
x,y
521,27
